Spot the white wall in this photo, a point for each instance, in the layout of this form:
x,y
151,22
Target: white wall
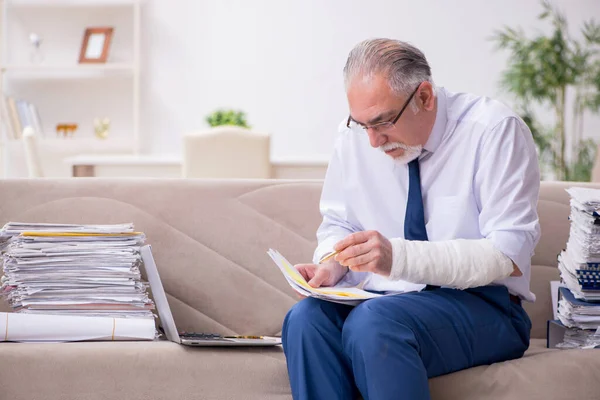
x,y
70,100
281,61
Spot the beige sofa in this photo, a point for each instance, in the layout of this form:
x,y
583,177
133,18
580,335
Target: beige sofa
x,y
210,240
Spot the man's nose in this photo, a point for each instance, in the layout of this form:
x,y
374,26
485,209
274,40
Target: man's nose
x,y
375,138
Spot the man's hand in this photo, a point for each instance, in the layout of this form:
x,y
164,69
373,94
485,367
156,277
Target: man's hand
x,y
326,274
367,251
516,271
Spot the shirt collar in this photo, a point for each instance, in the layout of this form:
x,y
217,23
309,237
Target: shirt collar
x,y
439,127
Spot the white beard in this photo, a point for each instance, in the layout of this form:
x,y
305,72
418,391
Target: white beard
x,y
410,152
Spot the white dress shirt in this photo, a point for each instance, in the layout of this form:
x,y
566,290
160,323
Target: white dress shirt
x,y
479,179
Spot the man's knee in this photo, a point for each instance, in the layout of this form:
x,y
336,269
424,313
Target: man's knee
x,y
370,327
307,315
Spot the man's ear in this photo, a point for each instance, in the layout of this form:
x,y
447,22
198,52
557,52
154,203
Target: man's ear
x,y
426,96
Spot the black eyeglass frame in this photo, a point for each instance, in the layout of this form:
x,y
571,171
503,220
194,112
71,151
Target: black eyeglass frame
x,y
391,123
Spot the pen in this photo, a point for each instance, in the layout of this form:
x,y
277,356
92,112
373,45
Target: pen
x,y
243,337
328,256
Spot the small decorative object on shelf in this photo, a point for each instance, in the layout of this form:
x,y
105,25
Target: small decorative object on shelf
x,y
37,55
67,130
95,46
101,127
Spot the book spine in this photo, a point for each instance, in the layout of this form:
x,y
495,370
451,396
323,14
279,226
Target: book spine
x,y
35,117
589,267
23,110
11,132
588,274
14,115
589,282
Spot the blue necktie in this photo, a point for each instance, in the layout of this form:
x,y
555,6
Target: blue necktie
x,y
414,220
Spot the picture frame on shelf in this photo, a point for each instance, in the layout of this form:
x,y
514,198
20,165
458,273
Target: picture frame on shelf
x,y
96,45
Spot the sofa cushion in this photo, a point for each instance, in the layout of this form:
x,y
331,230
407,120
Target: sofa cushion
x,y
209,238
541,374
554,221
541,310
140,371
164,370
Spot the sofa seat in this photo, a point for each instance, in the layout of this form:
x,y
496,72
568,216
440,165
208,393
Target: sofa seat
x,y
140,371
164,370
542,373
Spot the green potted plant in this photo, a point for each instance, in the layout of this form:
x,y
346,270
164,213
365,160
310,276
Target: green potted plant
x,y
227,117
540,72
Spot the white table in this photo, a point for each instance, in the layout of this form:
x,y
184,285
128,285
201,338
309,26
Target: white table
x,y
299,168
125,165
169,166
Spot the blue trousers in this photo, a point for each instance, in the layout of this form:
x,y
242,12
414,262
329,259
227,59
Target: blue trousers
x,y
388,347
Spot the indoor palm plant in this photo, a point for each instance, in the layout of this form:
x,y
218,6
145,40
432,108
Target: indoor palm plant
x,y
541,72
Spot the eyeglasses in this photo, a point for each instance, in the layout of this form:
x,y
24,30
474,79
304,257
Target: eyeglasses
x,y
382,127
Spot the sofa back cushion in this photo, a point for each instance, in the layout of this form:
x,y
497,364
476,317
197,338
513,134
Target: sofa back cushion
x,y
210,237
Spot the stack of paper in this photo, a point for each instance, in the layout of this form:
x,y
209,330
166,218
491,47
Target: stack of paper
x,y
15,228
77,271
580,339
579,264
577,313
351,295
582,278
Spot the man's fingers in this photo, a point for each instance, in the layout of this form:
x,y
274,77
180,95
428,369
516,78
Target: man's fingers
x,y
305,270
352,251
321,276
309,273
353,238
367,267
303,273
516,271
358,260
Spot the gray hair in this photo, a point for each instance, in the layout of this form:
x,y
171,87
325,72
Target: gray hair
x,y
404,65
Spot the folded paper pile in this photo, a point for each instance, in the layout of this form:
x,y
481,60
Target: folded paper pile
x,y
74,282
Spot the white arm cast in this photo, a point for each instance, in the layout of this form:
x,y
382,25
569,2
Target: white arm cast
x,y
458,263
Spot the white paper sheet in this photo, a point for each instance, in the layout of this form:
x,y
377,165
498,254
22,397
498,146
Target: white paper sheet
x,y
554,286
352,295
17,327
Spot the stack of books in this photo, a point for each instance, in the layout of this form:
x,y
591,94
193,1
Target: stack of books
x,y
61,272
579,265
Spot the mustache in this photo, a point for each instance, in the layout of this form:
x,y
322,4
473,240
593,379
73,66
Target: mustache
x,y
395,145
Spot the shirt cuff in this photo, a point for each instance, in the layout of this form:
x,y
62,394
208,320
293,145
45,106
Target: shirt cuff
x,y
514,245
325,247
351,278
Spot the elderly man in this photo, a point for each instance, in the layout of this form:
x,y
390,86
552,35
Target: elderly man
x,y
429,193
